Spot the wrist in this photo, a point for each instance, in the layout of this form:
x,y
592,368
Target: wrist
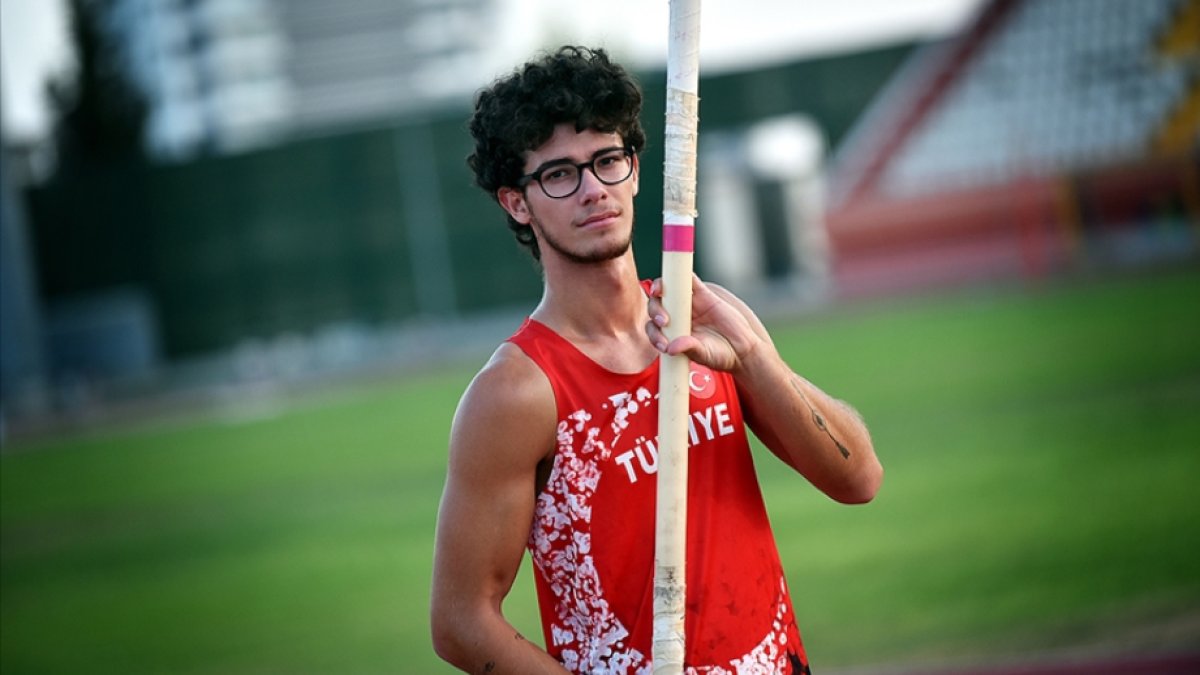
x,y
757,357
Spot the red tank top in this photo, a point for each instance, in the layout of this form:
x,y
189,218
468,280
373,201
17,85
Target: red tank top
x,y
592,539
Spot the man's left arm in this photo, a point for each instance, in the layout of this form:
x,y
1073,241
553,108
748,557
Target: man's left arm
x,y
822,438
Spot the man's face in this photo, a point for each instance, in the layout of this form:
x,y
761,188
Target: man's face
x,y
592,225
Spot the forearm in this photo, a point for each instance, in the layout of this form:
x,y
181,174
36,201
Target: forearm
x,y
822,438
487,643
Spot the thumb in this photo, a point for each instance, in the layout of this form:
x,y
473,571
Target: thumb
x,y
687,345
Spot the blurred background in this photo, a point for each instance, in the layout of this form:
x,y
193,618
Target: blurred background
x,y
228,190
214,210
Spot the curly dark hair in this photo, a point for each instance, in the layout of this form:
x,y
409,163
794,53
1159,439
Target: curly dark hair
x,y
518,113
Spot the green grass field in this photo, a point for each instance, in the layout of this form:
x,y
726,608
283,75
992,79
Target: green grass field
x,y
1041,448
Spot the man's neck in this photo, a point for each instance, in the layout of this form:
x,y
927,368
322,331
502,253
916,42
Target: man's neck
x,y
586,302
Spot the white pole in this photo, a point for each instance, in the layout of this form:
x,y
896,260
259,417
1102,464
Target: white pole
x,y
679,216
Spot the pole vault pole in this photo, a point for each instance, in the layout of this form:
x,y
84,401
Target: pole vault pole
x,y
679,216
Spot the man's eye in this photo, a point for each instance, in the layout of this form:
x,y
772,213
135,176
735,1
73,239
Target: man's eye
x,y
557,174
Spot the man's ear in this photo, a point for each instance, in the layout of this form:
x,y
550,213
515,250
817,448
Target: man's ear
x,y
636,170
513,201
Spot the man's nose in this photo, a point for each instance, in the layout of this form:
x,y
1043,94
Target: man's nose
x,y
589,184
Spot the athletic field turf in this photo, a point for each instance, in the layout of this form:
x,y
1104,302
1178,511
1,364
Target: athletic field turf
x,y
1042,448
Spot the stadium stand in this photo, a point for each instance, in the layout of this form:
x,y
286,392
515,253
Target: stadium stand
x,y
1049,134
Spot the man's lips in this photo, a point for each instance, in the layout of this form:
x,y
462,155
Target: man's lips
x,y
600,218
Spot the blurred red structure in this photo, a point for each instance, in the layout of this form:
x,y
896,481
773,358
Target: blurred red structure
x,y
1045,137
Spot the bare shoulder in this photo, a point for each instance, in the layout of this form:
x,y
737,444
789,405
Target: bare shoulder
x,y
509,382
507,413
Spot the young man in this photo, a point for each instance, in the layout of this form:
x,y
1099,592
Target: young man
x,y
553,445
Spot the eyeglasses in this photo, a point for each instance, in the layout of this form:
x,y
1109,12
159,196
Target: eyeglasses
x,y
562,179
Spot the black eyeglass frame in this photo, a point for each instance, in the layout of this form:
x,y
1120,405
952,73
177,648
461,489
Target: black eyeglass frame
x,y
524,181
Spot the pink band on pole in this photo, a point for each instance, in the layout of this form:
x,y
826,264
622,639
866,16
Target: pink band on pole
x,y
679,238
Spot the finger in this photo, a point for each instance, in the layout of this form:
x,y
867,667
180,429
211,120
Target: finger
x,y
658,315
705,298
701,289
656,337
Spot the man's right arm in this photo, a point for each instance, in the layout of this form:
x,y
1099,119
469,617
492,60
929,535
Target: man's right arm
x,y
503,428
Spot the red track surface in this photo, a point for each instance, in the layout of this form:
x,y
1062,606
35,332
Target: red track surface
x,y
1166,664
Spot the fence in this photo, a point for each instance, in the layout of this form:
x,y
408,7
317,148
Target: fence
x,y
374,227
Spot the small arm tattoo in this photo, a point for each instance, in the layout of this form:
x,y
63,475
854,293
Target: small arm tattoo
x,y
819,420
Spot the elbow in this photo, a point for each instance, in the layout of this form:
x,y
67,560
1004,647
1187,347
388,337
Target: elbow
x,y
862,487
444,644
446,633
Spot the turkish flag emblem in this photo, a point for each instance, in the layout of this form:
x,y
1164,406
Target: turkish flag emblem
x,y
701,381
